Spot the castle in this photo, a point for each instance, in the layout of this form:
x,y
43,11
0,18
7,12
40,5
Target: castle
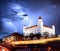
x,y
39,28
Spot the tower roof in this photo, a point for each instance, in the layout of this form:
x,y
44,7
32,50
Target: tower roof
x,y
24,25
40,17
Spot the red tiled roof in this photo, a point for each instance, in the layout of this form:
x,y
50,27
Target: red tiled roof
x,y
40,17
36,26
47,26
31,26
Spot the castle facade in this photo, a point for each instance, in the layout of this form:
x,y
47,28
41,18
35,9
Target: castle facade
x,y
39,28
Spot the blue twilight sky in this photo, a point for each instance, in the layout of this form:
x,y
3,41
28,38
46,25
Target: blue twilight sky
x,y
16,13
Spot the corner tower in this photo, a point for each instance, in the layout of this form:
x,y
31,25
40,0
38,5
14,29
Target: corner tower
x,y
53,29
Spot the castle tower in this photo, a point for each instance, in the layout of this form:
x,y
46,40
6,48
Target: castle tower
x,y
40,25
53,29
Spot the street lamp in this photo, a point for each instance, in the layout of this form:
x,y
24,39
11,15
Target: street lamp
x,y
49,48
3,49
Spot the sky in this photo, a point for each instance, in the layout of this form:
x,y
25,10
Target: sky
x,y
14,14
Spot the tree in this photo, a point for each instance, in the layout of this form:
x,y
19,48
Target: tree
x,y
46,34
38,35
31,36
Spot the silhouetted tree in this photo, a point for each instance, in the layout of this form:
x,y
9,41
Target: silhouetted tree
x,y
56,35
38,35
46,34
31,36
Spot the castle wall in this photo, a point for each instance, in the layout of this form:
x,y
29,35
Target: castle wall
x,y
30,30
39,28
49,30
53,27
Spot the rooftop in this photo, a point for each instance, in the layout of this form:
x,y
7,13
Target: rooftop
x,y
40,17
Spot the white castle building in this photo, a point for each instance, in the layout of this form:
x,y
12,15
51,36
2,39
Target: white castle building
x,y
39,28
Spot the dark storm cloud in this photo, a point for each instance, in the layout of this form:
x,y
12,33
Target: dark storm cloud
x,y
55,2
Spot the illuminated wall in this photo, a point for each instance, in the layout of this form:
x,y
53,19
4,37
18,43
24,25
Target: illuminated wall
x,y
39,28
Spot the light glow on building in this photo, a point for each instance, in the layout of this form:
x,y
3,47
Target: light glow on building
x,y
40,41
39,28
3,50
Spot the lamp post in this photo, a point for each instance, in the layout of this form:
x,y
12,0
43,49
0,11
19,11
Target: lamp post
x,y
49,48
